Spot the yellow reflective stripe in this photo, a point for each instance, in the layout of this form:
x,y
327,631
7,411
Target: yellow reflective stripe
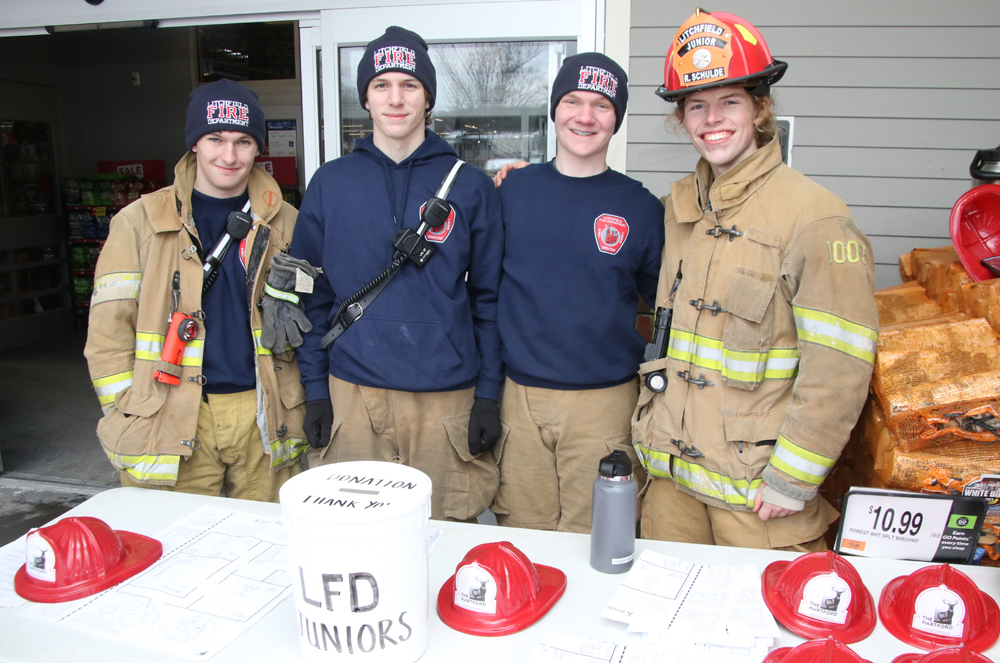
x,y
694,477
281,294
713,484
147,468
261,350
150,346
110,385
710,354
799,462
116,285
835,332
285,450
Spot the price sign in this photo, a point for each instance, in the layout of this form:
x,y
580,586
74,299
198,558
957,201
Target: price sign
x,y
899,525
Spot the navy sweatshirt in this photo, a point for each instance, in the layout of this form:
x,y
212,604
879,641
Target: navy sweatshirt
x,y
578,253
228,358
430,329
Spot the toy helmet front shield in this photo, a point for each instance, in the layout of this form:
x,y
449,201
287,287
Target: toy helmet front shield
x,y
717,49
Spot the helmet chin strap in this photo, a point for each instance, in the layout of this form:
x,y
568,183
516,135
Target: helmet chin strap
x,y
761,90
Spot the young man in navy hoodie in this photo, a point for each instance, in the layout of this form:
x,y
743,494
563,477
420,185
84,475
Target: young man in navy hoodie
x,y
416,379
582,242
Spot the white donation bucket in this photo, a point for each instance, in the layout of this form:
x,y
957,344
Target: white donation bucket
x,y
357,535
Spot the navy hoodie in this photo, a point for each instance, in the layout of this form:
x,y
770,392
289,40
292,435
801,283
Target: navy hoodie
x,y
432,328
578,253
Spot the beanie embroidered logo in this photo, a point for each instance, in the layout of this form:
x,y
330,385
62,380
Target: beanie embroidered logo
x,y
223,111
598,80
610,232
395,57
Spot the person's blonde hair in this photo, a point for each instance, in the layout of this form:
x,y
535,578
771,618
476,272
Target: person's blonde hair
x,y
764,118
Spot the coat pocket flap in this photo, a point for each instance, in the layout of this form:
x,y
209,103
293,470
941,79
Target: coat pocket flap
x,y
748,295
143,402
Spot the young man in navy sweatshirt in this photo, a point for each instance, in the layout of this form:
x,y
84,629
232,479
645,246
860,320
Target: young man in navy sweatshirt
x,y
416,379
582,242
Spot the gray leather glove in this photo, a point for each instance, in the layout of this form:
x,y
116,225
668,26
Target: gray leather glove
x,y
284,320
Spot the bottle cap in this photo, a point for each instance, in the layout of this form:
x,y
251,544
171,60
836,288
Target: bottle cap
x,y
959,654
939,606
77,557
827,650
616,464
819,595
496,590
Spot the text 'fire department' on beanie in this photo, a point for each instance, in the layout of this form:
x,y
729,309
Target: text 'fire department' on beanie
x,y
593,72
400,50
224,105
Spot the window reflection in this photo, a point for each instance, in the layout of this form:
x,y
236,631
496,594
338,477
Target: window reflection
x,y
492,104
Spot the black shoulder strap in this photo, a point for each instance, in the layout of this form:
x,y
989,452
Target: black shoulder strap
x,y
354,307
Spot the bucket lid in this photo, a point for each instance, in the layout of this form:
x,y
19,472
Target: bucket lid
x,y
496,590
939,606
819,595
80,556
355,492
828,650
959,654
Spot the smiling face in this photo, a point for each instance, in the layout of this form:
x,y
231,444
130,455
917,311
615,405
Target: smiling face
x,y
397,104
585,123
224,160
720,123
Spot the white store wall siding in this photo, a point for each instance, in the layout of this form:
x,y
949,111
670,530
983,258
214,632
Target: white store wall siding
x,y
891,100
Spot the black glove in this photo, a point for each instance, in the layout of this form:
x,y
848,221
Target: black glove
x,y
319,419
484,425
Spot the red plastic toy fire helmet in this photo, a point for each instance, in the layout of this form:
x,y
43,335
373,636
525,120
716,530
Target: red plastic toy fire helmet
x,y
939,606
496,590
77,557
959,654
816,651
716,49
819,595
975,229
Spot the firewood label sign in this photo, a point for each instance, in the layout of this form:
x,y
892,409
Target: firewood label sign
x,y
901,525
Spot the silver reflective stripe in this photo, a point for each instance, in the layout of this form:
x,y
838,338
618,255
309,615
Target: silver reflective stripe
x,y
800,463
115,286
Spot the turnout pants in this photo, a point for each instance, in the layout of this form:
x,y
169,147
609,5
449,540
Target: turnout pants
x,y
553,443
428,431
230,461
669,514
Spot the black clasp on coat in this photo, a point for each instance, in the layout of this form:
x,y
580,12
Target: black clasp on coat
x,y
714,307
719,231
687,450
700,381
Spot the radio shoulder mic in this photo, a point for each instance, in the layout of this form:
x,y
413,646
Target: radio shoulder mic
x,y
237,227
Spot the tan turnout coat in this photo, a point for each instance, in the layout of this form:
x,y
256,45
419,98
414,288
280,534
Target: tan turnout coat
x,y
148,425
773,335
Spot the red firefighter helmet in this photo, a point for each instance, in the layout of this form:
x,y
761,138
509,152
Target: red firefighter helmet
x,y
716,49
975,229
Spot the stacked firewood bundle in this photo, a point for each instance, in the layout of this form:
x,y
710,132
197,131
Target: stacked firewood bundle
x,y
932,419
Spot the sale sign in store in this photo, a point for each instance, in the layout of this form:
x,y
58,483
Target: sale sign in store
x,y
901,525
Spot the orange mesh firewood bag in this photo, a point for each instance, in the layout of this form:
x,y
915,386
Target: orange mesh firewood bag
x,y
939,383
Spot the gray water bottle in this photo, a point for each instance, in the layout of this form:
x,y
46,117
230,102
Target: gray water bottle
x,y
612,524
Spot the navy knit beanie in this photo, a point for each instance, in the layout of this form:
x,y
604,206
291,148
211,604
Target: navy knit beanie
x,y
398,49
593,72
224,105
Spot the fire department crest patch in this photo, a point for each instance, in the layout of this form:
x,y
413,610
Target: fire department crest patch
x,y
610,232
439,234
